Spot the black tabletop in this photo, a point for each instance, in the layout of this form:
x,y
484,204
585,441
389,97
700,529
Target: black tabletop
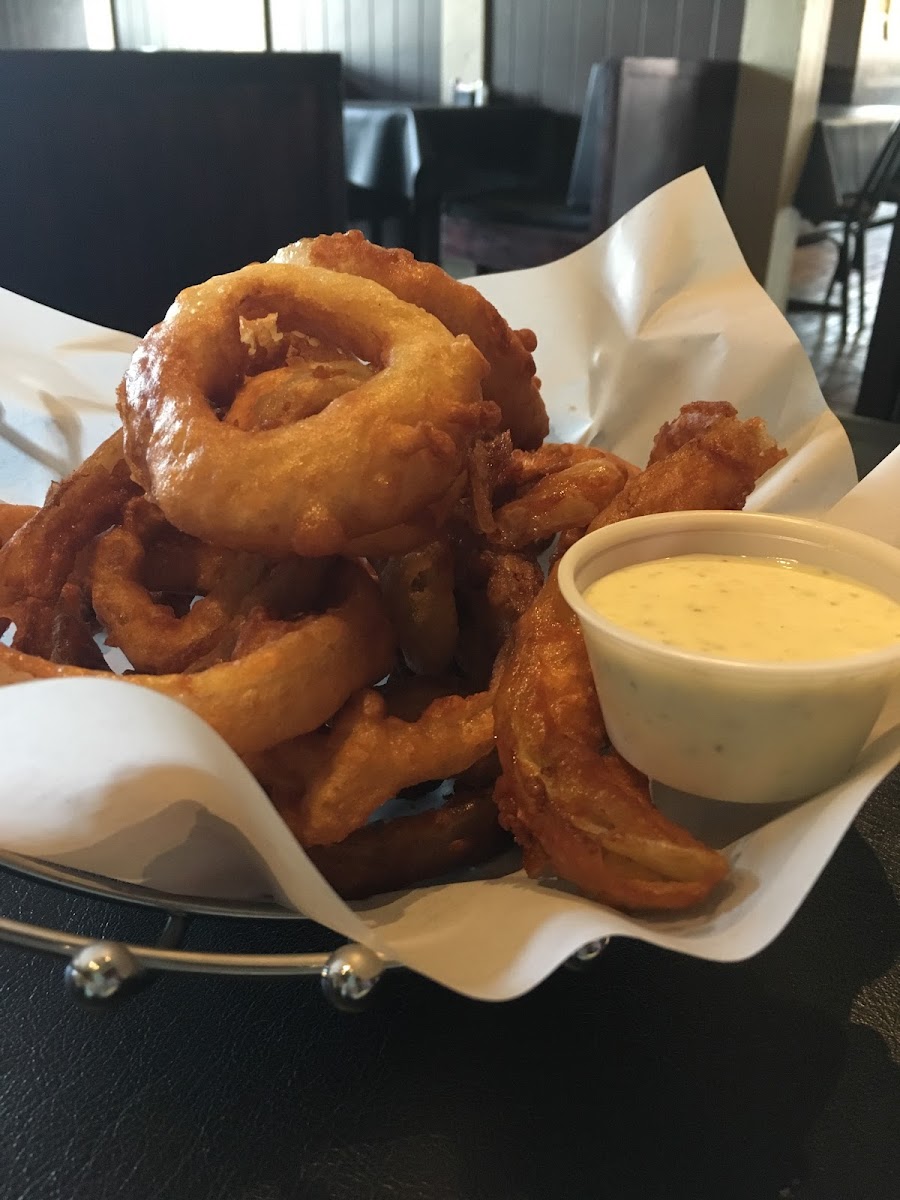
x,y
845,142
648,1076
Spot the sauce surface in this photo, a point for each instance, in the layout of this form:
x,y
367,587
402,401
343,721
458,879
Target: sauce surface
x,y
752,609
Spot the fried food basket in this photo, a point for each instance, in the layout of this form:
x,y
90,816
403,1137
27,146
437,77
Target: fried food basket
x,y
101,971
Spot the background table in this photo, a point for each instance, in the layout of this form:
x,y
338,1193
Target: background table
x,y
845,142
411,156
650,1077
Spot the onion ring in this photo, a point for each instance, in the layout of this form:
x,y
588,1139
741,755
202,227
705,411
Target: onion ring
x,y
150,634
291,393
39,557
286,688
511,383
332,782
386,856
369,461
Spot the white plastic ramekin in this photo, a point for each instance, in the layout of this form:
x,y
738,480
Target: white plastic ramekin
x,y
749,732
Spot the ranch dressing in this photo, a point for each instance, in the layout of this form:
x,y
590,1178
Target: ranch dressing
x,y
748,609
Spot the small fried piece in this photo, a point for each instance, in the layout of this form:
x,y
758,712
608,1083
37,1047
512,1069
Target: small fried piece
x,y
488,464
386,856
418,591
58,632
332,782
13,517
562,798
569,498
493,589
152,636
692,420
291,393
40,556
717,469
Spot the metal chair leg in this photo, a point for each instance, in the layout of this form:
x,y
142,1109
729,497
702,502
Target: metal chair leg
x,y
841,269
861,268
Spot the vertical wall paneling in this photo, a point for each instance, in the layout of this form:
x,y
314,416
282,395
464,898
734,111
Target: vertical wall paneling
x,y
699,23
661,33
389,47
529,28
728,30
559,53
543,49
501,45
589,33
714,28
462,51
624,27
335,26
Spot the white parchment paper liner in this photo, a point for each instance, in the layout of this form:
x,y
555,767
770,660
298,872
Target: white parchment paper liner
x,y
659,311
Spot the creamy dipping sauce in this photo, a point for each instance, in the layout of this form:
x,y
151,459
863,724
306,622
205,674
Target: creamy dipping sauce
x,y
751,609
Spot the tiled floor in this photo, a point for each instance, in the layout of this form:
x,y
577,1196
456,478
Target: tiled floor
x,y
838,368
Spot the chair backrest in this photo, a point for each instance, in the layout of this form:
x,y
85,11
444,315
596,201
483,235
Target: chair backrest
x,y
590,144
882,175
129,176
660,118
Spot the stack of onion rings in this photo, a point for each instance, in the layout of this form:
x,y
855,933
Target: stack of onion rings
x,y
321,529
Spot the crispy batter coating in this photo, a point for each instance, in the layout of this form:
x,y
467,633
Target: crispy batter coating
x,y
13,517
563,798
691,421
331,782
419,592
286,687
369,461
567,499
718,470
511,382
385,856
579,812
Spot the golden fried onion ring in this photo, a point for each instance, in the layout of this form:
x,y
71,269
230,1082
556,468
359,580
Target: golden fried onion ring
x,y
332,782
511,383
371,460
287,687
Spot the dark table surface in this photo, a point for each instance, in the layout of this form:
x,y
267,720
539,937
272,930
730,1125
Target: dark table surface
x,y
648,1076
845,142
418,154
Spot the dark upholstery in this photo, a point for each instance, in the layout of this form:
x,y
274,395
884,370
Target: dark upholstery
x,y
645,121
129,176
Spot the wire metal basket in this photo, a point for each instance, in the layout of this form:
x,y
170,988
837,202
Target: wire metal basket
x,y
98,971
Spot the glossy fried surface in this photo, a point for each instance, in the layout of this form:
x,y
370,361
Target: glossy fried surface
x,y
365,463
387,855
332,781
510,384
577,810
563,793
717,470
286,687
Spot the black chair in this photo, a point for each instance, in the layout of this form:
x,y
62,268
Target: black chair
x,y
645,121
505,229
129,176
858,214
